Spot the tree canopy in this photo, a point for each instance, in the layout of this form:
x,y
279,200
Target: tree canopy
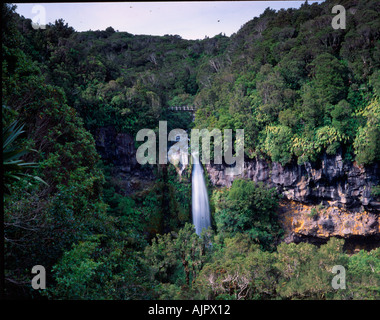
x,y
296,86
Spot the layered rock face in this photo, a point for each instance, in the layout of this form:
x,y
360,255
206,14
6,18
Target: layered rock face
x,y
119,150
320,200
316,224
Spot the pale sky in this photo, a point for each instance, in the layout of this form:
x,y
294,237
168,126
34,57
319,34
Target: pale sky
x,y
190,20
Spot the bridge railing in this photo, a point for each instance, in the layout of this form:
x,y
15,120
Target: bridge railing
x,y
183,108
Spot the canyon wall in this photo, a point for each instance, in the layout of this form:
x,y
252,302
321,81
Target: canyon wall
x,y
118,151
329,198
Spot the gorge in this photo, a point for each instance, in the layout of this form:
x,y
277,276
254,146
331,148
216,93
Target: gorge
x,y
106,225
331,197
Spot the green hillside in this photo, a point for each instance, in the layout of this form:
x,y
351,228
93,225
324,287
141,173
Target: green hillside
x,y
297,87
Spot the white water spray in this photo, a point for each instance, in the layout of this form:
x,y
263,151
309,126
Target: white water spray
x,y
200,204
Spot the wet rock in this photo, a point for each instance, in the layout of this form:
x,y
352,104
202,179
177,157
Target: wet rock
x,y
342,189
343,183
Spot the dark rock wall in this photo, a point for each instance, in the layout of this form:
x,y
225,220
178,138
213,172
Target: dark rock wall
x,y
328,198
342,184
331,198
118,149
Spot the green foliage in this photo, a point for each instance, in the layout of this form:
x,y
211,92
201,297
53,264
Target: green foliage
x,y
375,191
329,77
177,258
313,213
278,144
250,208
296,86
291,69
367,140
306,271
363,275
14,167
239,270
42,221
98,268
75,270
179,198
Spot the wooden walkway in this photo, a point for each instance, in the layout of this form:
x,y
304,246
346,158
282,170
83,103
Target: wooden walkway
x,y
183,108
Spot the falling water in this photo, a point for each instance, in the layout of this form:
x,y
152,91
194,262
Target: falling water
x,y
201,208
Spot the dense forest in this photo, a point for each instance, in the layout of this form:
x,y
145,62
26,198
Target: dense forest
x,y
297,86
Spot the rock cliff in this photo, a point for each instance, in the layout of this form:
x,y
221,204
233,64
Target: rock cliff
x,y
329,198
118,150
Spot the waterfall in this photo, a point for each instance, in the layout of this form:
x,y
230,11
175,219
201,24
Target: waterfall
x,y
200,204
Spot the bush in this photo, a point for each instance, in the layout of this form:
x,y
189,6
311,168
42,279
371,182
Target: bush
x,y
250,208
